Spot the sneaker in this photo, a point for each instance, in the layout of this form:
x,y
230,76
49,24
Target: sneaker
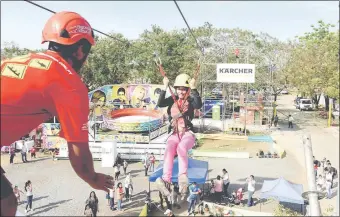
x,y
161,186
183,183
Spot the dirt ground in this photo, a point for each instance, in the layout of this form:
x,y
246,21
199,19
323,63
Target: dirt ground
x,y
234,146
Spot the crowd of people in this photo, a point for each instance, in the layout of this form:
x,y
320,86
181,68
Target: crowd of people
x,y
117,192
324,176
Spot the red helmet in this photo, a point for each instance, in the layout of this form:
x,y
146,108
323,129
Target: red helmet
x,y
67,28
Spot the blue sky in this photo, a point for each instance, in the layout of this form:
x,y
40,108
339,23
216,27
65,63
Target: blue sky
x,y
22,22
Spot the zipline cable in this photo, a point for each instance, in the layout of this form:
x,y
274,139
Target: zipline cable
x,y
192,34
49,10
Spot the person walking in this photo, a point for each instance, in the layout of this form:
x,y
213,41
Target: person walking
x,y
120,196
290,121
218,189
225,182
125,165
92,201
24,153
251,189
29,194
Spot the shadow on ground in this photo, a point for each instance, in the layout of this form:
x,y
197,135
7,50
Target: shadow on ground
x,y
47,207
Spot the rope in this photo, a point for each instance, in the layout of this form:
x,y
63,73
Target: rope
x,y
49,10
192,34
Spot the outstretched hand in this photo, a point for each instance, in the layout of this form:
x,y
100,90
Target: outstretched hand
x,y
101,182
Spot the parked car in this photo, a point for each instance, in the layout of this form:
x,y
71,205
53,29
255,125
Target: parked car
x,y
305,104
284,91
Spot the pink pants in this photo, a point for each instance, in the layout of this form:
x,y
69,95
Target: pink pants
x,y
181,147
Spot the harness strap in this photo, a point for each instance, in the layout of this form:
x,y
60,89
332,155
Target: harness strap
x,y
180,108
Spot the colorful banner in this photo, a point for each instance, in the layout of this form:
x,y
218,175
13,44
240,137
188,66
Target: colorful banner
x,y
119,96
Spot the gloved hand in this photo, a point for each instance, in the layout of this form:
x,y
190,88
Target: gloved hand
x,y
192,83
166,82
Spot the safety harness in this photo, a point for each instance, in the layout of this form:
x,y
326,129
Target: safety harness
x,y
179,107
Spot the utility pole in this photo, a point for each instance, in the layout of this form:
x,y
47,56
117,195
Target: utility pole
x,y
314,206
246,101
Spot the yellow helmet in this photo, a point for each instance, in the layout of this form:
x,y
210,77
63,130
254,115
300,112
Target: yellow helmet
x,y
182,80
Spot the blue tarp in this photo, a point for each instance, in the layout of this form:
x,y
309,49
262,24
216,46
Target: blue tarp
x,y
282,190
197,171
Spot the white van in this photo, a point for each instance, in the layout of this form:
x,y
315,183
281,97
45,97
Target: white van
x,y
305,104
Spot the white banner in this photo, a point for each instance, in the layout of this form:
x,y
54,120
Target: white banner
x,y
235,73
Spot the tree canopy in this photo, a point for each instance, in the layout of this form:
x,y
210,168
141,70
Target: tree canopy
x,y
309,63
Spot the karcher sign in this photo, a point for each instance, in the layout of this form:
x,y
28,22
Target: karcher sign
x,y
235,73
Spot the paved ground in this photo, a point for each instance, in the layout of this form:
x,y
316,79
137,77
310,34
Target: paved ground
x,y
325,141
58,191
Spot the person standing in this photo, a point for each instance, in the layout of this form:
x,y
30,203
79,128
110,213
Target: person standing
x,y
125,165
127,183
276,120
29,194
225,182
33,153
120,196
218,189
92,201
130,192
112,195
12,154
17,192
24,153
146,163
251,189
152,162
290,121
194,191
117,171
328,184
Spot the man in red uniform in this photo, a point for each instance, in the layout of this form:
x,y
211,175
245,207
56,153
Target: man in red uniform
x,y
36,87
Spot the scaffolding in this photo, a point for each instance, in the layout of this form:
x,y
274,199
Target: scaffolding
x,y
225,54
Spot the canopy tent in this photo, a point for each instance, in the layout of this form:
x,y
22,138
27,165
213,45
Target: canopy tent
x,y
282,190
197,171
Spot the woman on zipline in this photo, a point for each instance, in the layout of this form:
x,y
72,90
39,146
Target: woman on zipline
x,y
182,139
